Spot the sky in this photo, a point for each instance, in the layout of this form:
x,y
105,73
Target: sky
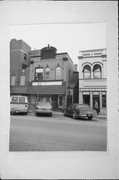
x,y
70,38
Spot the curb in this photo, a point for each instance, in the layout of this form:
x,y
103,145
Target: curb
x,y
54,112
101,118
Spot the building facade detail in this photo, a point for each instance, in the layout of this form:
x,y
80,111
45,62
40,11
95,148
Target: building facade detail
x,y
92,78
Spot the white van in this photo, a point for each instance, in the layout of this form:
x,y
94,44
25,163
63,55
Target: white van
x,y
19,104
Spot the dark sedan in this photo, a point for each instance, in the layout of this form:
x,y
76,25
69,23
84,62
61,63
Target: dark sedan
x,y
80,110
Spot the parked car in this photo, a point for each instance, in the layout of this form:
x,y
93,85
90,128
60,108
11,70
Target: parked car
x,y
80,110
43,108
19,104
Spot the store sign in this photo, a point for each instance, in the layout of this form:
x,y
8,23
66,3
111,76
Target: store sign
x,y
51,83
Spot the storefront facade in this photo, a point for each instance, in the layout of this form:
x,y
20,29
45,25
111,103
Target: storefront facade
x,y
50,76
93,79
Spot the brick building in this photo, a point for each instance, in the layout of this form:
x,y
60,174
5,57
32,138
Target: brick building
x,y
19,66
93,78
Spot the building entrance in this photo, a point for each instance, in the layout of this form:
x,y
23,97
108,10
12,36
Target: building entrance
x,y
55,102
69,100
96,98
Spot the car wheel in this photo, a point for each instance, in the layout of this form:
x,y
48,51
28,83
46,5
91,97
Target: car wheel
x,y
36,114
50,114
65,113
74,115
90,117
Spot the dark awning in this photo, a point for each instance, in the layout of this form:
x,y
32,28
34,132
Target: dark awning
x,y
46,90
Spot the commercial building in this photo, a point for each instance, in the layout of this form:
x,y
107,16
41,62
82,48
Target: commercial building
x,y
43,74
93,78
53,76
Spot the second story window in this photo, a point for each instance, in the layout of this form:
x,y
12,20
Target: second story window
x,y
87,72
13,79
97,71
22,81
39,74
25,56
47,73
58,73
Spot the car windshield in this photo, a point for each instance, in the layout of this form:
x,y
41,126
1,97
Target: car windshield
x,y
14,99
22,99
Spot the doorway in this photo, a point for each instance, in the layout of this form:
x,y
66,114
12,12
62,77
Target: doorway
x,y
86,99
69,100
55,102
96,97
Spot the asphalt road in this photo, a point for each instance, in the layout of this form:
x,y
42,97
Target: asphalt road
x,y
57,133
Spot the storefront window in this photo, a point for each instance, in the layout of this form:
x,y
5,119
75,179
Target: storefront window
x,y
47,73
39,74
86,72
60,101
86,99
104,100
58,73
97,71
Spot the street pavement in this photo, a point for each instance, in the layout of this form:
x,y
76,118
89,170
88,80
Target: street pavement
x,y
56,133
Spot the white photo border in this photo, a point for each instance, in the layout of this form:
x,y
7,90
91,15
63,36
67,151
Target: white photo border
x,y
60,165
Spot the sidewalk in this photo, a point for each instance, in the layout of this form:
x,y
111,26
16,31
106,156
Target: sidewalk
x,y
102,117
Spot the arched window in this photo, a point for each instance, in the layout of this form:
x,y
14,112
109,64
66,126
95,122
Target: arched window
x,y
87,72
47,73
97,71
58,73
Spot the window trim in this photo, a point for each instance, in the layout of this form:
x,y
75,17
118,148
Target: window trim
x,y
46,75
94,71
89,71
35,77
56,73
